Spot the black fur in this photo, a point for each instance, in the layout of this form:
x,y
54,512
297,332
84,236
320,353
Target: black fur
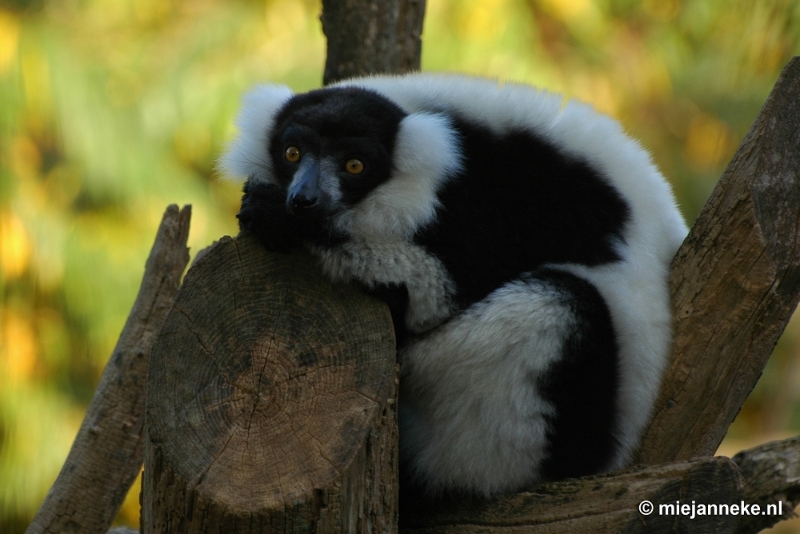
x,y
264,213
518,204
582,385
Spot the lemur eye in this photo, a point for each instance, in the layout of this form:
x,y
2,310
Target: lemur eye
x,y
354,166
292,154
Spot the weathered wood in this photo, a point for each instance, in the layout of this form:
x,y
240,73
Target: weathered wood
x,y
371,36
771,475
271,402
600,504
107,453
765,475
735,283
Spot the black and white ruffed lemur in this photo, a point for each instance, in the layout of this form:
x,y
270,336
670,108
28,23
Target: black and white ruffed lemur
x,y
523,247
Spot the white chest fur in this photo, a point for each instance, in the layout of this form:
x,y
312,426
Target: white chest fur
x,y
430,289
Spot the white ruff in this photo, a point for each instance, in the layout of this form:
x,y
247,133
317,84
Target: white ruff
x,y
395,262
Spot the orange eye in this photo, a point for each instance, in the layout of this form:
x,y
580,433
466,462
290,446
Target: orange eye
x,y
292,154
354,166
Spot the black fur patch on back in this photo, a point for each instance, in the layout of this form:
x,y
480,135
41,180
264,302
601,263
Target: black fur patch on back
x,y
582,386
520,203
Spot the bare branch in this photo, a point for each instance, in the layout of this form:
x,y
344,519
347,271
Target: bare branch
x,y
107,453
735,283
771,475
600,504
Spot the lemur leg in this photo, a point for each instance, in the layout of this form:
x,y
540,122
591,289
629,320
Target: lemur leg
x,y
513,390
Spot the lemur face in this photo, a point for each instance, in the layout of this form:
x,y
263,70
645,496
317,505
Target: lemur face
x,y
331,147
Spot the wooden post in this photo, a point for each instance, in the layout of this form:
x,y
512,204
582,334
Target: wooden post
x,y
271,402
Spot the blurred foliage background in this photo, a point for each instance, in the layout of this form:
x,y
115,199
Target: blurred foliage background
x,y
112,109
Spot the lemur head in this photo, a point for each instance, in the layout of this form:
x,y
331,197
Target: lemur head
x,y
345,154
331,147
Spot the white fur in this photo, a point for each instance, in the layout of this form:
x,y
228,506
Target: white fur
x,y
248,155
427,153
387,261
471,414
635,289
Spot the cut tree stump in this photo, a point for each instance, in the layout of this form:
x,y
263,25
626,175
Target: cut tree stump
x,y
271,402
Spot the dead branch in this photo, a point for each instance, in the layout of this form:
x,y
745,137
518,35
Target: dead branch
x,y
735,283
107,453
771,473
600,504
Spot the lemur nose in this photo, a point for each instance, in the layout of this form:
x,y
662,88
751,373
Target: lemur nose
x,y
302,200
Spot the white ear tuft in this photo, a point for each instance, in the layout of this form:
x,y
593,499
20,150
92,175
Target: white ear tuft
x,y
247,154
427,153
427,146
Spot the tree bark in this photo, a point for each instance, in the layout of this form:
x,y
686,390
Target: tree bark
x,y
271,402
107,453
771,474
371,37
600,504
765,475
735,283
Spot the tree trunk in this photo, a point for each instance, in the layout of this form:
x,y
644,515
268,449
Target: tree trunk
x,y
271,402
371,37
